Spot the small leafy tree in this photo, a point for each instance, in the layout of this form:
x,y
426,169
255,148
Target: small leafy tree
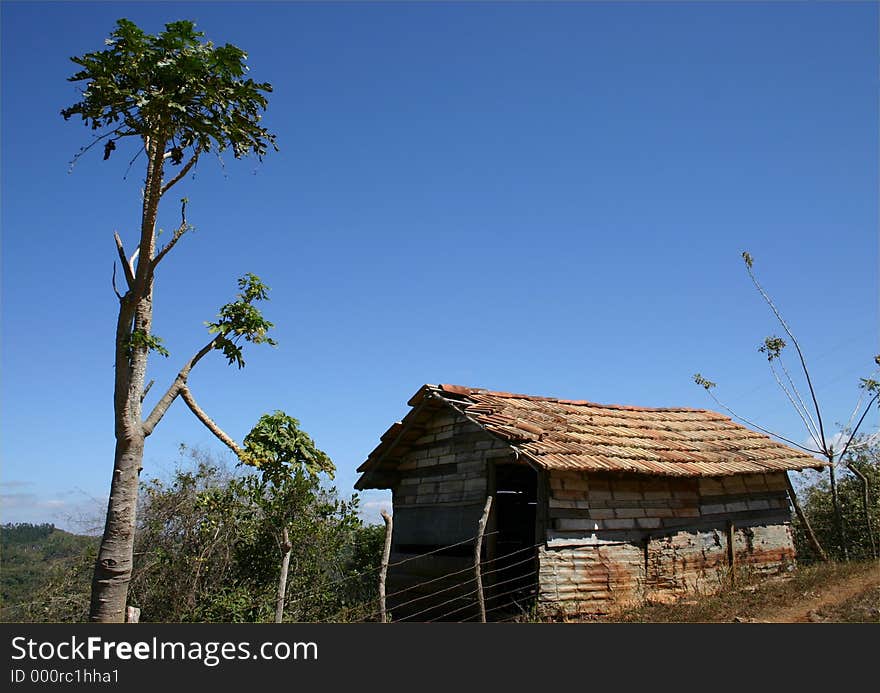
x,y
208,542
860,507
811,415
178,97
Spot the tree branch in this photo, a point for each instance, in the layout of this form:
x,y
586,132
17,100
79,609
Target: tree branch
x,y
113,282
814,435
182,229
126,263
180,174
205,419
760,428
797,347
856,427
800,400
174,389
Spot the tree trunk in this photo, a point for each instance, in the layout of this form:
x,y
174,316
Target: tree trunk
x,y
115,556
811,535
840,532
286,548
866,504
113,565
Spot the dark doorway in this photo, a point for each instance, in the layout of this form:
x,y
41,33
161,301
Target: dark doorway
x,y
512,588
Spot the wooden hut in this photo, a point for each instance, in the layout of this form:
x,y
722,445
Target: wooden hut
x,y
594,506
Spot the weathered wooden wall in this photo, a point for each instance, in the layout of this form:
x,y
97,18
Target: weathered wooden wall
x,y
442,487
616,539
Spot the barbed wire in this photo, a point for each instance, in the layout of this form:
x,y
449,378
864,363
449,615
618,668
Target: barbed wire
x,y
438,550
376,569
471,605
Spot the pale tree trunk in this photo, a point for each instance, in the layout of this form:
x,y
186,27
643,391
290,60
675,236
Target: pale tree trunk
x,y
113,565
115,556
838,514
286,548
866,504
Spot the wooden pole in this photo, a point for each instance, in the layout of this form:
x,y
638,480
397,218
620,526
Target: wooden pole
x,y
478,548
811,536
731,551
383,571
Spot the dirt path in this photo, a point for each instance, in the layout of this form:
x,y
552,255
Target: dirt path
x,y
804,611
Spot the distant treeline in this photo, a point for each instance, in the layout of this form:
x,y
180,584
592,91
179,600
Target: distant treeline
x,y
24,532
31,553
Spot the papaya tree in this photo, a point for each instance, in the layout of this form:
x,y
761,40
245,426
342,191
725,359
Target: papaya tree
x,y
175,97
835,449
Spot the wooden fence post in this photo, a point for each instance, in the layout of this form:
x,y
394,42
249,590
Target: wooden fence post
x,y
477,557
383,571
731,551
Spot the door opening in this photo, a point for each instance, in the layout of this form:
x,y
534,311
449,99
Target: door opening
x,y
514,569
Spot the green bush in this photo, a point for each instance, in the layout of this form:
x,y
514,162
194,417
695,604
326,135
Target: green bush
x,y
818,508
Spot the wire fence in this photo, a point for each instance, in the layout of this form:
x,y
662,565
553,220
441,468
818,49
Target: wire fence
x,y
443,596
446,593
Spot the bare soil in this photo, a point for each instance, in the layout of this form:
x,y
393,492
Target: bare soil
x,y
843,601
823,593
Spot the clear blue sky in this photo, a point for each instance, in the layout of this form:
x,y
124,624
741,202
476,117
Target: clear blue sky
x,y
539,198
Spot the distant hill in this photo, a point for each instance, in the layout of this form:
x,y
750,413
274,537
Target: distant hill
x,y
29,554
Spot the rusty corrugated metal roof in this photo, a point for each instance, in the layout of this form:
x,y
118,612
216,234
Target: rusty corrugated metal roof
x,y
585,436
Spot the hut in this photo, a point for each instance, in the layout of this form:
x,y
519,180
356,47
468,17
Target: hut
x,y
594,506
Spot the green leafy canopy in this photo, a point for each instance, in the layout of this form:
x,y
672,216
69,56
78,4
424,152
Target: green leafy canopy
x,y
174,87
277,446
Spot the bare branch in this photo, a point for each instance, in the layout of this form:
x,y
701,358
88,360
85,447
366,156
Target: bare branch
x,y
794,341
174,389
760,428
180,174
113,282
801,413
147,389
119,132
856,427
812,427
126,263
205,419
858,406
178,234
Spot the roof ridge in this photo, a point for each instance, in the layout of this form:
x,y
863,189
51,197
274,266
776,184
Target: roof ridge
x,y
467,391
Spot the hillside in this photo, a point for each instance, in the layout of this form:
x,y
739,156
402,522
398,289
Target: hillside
x,y
29,554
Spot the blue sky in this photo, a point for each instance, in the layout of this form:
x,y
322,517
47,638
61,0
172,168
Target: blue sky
x,y
540,198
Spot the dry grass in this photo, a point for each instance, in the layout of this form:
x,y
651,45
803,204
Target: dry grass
x,y
789,595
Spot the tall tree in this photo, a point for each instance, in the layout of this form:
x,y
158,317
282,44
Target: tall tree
x,y
178,97
822,444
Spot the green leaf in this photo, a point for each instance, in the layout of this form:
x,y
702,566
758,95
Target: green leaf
x,y
772,347
702,382
141,340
